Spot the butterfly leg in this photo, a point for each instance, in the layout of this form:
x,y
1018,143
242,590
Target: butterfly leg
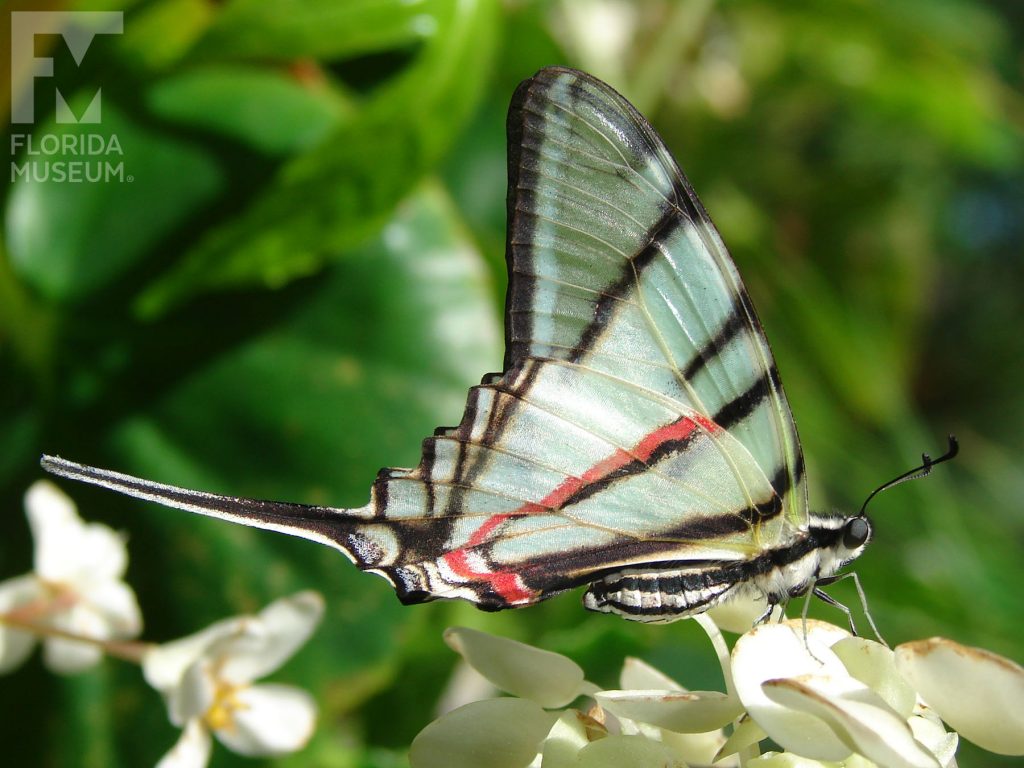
x,y
803,622
821,595
860,596
764,617
827,598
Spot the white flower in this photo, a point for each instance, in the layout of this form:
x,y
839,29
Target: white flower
x,y
206,679
547,678
624,729
75,588
975,691
826,697
798,689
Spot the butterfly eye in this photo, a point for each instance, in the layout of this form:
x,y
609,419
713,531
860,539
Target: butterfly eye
x,y
856,533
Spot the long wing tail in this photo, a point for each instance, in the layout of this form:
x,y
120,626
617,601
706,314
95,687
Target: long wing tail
x,y
327,525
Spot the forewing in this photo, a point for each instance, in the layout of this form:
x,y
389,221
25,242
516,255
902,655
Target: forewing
x,y
614,264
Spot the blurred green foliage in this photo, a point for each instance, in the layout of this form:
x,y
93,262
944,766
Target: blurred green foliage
x,y
304,275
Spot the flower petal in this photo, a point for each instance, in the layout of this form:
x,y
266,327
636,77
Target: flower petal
x,y
550,679
115,601
873,730
695,748
164,665
628,752
497,733
566,738
785,760
270,720
875,666
935,738
780,651
980,694
464,686
15,647
271,637
195,693
691,712
15,644
739,614
745,734
68,550
55,527
19,590
640,676
192,749
68,657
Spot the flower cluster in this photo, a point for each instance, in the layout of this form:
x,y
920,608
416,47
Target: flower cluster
x,y
823,696
76,588
76,600
207,681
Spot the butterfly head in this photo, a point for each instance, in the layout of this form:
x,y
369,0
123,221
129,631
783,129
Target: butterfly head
x,y
840,539
856,534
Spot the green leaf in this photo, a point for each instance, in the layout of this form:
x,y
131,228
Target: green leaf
x,y
69,235
234,101
318,28
335,196
160,34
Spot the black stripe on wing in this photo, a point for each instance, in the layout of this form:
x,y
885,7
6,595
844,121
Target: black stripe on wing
x,y
735,324
670,218
744,404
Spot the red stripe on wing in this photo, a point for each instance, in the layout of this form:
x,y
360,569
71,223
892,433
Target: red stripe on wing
x,y
508,584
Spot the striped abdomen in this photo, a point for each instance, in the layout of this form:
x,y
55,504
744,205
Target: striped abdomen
x,y
665,595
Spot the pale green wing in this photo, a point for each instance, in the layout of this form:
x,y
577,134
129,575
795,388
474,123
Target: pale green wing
x,y
615,265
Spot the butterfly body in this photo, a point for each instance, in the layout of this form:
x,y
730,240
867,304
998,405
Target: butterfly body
x,y
638,440
775,575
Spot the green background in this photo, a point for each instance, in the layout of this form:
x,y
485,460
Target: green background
x,y
306,272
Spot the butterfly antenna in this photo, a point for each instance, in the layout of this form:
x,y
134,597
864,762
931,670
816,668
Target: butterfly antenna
x,y
922,471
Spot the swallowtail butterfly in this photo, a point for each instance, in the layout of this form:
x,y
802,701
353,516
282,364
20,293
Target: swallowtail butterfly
x,y
638,440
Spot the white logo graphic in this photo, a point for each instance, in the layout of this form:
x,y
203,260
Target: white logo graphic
x,y
78,30
72,153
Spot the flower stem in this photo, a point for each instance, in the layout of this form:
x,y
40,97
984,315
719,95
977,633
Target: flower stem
x,y
126,650
725,659
721,649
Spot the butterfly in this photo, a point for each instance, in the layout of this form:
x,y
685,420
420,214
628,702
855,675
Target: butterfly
x,y
638,440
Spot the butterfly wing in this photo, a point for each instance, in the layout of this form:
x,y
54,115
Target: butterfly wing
x,y
639,420
614,264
